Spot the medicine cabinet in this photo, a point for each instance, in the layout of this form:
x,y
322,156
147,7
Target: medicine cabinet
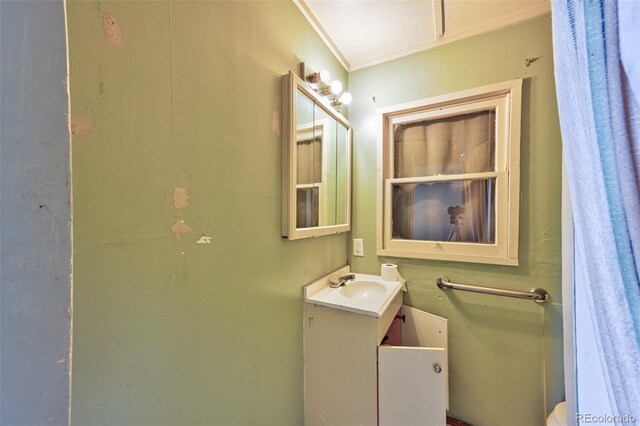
x,y
316,164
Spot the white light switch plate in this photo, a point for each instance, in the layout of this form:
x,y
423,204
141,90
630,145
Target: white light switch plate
x,y
358,247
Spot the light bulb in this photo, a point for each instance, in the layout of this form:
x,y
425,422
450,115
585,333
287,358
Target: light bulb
x,y
324,76
346,98
319,77
336,87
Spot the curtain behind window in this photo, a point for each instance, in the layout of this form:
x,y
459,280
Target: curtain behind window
x,y
453,145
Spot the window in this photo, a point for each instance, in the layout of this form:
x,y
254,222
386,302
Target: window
x,y
311,187
449,177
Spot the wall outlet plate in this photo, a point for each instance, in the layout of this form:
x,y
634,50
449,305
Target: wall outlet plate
x,y
358,247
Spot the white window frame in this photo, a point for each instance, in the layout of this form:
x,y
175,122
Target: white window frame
x,y
506,98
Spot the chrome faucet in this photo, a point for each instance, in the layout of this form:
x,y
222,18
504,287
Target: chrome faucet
x,y
337,282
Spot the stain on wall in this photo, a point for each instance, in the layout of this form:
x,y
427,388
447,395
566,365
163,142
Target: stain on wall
x,y
180,228
275,123
80,127
112,30
204,239
180,197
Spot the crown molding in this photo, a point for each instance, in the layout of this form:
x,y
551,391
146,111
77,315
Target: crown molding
x,y
306,11
442,36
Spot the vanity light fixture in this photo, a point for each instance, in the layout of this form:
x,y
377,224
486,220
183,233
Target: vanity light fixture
x,y
322,77
321,83
331,91
336,87
345,99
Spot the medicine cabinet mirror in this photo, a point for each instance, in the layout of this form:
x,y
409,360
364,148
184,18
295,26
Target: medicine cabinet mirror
x,y
316,160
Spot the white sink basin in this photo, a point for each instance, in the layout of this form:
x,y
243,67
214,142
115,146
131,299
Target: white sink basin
x,y
367,294
363,289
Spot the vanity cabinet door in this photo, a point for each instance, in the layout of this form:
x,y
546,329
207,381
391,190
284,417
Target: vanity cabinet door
x,y
413,375
410,391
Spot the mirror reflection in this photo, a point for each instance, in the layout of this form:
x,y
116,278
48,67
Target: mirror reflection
x,y
321,148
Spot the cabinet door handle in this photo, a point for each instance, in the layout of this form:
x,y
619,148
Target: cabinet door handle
x,y
436,367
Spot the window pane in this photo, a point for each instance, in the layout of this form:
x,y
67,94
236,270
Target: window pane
x,y
309,163
456,211
307,211
454,145
309,141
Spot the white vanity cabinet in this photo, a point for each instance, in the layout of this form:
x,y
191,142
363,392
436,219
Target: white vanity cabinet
x,y
351,379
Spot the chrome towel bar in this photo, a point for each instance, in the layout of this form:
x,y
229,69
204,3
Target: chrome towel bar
x,y
538,295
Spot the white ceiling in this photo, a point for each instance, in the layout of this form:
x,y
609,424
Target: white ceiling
x,y
367,32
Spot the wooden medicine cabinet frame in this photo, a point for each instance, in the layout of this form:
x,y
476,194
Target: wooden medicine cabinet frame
x,y
291,85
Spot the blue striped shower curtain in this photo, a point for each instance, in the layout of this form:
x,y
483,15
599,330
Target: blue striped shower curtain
x,y
597,64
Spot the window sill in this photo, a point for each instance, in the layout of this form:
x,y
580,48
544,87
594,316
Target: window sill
x,y
492,260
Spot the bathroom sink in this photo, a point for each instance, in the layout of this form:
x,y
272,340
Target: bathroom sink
x,y
363,289
366,295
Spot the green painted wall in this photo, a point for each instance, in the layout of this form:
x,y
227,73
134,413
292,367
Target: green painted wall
x,y
168,331
505,354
